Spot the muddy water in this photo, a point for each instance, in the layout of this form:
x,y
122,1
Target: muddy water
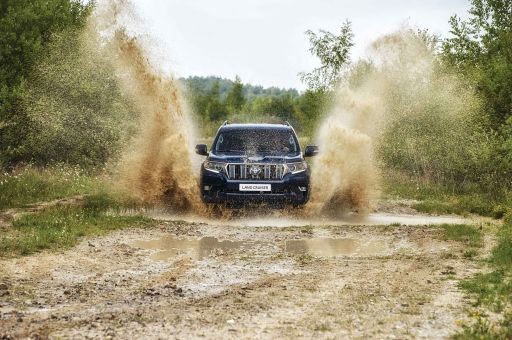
x,y
326,247
170,247
278,219
197,249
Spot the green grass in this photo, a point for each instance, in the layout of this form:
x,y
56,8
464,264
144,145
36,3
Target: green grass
x,y
30,185
482,329
493,290
466,234
454,198
61,227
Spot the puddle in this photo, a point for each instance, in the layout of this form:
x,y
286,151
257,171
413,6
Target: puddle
x,y
277,219
170,247
328,247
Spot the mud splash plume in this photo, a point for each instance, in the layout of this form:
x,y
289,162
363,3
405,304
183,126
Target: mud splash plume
x,y
344,175
157,166
397,110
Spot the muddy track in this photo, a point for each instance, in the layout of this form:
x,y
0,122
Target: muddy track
x,y
111,287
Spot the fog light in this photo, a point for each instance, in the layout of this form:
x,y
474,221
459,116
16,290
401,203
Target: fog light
x,y
302,188
207,187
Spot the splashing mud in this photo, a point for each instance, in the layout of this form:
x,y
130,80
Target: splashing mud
x,y
344,174
158,164
398,83
398,109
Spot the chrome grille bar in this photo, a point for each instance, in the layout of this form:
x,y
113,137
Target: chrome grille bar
x,y
255,171
266,171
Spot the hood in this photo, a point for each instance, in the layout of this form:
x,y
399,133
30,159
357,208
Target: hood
x,y
254,159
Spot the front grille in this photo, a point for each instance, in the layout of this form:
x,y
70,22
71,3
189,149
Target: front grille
x,y
255,171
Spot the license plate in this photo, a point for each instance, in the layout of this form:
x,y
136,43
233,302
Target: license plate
x,y
255,187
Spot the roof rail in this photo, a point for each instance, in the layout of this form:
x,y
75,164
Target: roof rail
x,y
286,123
225,122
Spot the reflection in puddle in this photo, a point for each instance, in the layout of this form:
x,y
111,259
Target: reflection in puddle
x,y
336,247
169,247
197,249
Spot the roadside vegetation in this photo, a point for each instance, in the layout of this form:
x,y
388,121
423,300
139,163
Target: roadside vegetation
x,y
62,226
29,184
446,198
468,235
36,223
491,292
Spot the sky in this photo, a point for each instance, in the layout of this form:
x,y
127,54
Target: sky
x,y
263,41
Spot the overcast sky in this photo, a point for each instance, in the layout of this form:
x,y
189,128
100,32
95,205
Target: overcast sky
x,y
263,41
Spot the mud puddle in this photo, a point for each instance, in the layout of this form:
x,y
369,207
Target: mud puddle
x,y
171,247
330,247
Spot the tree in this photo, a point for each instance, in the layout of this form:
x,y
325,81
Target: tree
x,y
75,109
481,49
311,105
235,99
215,108
26,26
281,107
334,53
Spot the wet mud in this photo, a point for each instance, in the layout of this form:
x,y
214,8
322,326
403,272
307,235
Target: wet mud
x,y
192,279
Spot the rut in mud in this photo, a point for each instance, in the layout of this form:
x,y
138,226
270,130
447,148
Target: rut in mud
x,y
220,281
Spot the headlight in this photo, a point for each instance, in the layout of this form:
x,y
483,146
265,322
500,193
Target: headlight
x,y
296,167
214,166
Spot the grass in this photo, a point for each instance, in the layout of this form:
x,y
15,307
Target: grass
x,y
31,185
62,227
454,198
493,291
463,233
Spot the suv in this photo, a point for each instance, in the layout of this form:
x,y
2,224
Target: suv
x,y
255,162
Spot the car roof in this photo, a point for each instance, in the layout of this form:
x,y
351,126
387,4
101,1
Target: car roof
x,y
228,127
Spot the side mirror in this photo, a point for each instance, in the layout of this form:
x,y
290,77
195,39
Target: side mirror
x,y
311,150
202,149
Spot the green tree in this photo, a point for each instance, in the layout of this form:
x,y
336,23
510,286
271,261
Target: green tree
x,y
481,49
215,109
310,107
75,110
281,107
26,26
334,53
235,99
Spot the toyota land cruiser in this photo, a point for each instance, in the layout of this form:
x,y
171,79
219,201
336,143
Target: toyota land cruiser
x,y
255,162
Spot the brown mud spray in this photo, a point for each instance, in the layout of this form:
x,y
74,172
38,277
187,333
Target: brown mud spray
x,y
397,109
157,165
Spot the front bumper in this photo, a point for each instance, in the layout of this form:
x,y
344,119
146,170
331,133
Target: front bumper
x,y
217,188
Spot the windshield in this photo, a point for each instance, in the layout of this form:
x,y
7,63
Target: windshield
x,y
257,141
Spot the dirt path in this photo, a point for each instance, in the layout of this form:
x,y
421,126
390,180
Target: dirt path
x,y
240,282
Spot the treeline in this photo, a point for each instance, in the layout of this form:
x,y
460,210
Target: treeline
x,y
205,84
216,99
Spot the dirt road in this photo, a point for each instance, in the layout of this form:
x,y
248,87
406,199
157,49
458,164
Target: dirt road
x,y
218,280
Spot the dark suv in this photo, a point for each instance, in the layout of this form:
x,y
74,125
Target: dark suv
x,y
255,162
